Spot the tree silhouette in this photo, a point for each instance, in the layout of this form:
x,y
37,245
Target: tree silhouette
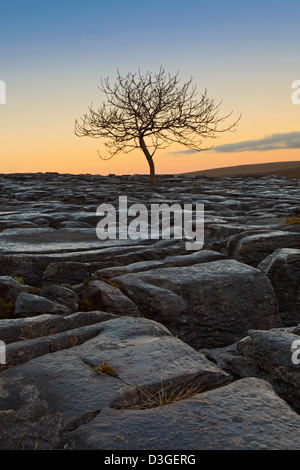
x,y
151,112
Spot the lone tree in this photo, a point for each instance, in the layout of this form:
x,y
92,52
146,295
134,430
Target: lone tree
x,y
151,112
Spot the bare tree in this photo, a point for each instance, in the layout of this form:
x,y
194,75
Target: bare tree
x,y
151,112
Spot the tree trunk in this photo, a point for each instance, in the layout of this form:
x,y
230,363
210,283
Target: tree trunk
x,y
152,170
149,160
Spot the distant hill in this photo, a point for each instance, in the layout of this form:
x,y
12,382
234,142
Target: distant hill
x,y
288,169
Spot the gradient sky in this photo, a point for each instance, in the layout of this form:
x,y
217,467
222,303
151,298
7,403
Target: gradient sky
x,y
53,54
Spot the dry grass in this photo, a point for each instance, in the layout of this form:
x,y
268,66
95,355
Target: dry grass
x,y
33,333
72,340
114,284
105,369
165,396
6,309
8,365
292,221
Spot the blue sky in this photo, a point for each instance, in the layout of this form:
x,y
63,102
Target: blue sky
x,y
34,30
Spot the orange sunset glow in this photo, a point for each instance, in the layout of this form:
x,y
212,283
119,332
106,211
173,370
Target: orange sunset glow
x,y
52,72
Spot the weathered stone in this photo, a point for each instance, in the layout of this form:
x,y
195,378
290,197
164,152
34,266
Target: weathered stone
x,y
43,239
252,249
42,222
32,266
283,269
244,415
268,355
33,409
74,224
112,298
202,256
146,347
28,349
30,305
65,272
206,305
224,358
17,329
51,218
224,231
143,355
61,295
6,282
15,290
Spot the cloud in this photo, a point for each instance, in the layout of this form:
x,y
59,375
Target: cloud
x,y
289,140
184,152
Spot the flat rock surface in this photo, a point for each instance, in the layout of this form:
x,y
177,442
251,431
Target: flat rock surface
x,y
283,269
62,390
141,343
244,415
207,305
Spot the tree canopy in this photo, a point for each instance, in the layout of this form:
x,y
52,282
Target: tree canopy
x,y
151,112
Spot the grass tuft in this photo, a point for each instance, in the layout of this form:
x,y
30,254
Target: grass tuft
x,y
105,369
114,284
164,396
6,309
292,221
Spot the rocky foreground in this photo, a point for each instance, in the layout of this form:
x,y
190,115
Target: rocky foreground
x,y
124,344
